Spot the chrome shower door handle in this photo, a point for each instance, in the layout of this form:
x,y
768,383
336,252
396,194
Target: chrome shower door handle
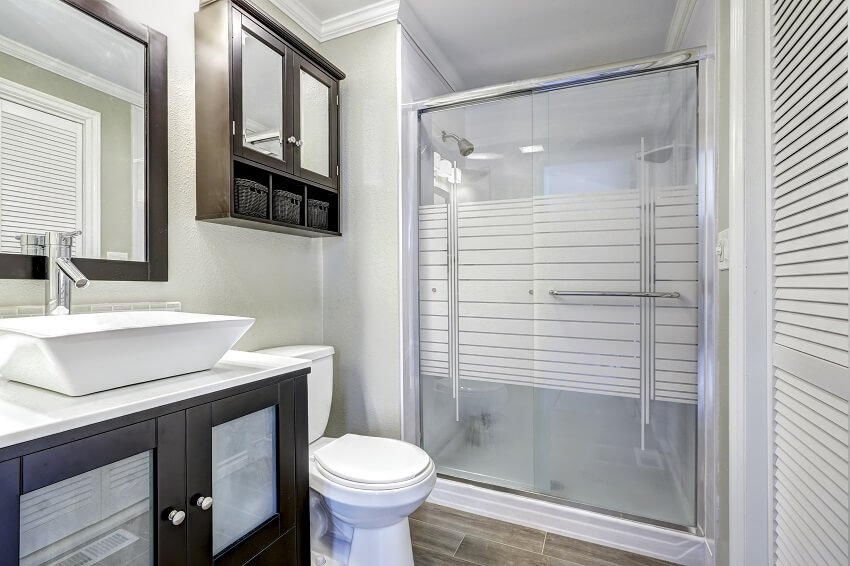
x,y
636,294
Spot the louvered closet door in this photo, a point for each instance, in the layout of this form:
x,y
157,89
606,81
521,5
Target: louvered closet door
x,y
41,173
810,255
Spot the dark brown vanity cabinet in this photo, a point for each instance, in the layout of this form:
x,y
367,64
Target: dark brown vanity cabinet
x,y
267,120
219,480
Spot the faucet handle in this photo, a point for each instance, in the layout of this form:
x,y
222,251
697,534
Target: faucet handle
x,y
56,238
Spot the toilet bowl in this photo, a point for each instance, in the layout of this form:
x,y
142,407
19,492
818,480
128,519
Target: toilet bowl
x,y
362,487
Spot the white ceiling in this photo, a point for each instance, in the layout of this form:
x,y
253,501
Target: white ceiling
x,y
477,43
486,42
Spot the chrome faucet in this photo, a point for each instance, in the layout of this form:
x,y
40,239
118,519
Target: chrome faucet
x,y
61,274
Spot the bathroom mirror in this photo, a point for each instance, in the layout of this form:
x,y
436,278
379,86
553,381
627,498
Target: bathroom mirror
x,y
83,139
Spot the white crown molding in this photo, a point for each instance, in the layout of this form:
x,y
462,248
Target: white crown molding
x,y
679,24
301,15
374,14
39,59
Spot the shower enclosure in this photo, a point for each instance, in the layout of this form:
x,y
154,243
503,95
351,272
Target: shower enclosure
x,y
559,293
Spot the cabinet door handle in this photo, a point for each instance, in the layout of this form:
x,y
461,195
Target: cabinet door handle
x,y
295,142
176,517
204,502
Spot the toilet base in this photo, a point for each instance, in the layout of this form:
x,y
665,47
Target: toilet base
x,y
384,546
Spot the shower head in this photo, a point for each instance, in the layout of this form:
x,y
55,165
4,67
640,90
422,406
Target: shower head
x,y
464,145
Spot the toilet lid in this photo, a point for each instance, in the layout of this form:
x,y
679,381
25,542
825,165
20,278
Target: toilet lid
x,y
372,460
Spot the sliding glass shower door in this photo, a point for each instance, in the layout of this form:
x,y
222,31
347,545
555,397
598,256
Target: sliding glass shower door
x,y
476,282
559,285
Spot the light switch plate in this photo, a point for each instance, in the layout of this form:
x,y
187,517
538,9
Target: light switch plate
x,y
722,250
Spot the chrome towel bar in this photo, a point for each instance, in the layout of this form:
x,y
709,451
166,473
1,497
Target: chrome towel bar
x,y
668,295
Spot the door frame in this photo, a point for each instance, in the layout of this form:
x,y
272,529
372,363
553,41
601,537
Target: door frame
x,y
749,499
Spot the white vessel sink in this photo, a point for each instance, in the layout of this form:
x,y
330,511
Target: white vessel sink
x,y
85,353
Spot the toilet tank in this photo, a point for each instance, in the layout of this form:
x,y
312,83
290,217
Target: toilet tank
x,y
319,382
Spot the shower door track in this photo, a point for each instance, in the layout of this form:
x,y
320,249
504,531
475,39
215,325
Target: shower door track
x,y
572,504
641,66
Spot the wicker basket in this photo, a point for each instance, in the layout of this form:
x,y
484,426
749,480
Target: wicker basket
x,y
286,206
317,213
252,198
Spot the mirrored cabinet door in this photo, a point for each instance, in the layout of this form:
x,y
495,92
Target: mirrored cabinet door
x,y
316,123
262,116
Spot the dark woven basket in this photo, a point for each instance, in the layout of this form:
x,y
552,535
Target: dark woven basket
x,y
286,206
252,198
317,213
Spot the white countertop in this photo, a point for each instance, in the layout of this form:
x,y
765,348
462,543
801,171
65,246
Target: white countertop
x,y
27,413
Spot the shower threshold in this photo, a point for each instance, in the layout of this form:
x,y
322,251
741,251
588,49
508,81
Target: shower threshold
x,y
569,503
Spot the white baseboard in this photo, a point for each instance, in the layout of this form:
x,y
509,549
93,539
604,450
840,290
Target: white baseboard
x,y
657,542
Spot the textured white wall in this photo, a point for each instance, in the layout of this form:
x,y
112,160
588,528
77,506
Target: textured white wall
x,y
216,269
361,302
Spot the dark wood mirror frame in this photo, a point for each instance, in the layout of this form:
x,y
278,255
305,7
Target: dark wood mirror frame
x,y
155,266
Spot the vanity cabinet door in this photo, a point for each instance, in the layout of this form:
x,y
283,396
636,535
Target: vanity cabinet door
x,y
241,476
316,123
102,499
262,109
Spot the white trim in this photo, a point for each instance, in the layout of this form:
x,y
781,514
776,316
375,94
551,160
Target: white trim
x,y
90,121
679,23
39,59
402,343
360,19
750,363
302,16
657,542
418,33
374,14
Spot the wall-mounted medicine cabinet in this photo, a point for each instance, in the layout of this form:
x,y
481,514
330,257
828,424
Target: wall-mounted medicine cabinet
x,y
267,115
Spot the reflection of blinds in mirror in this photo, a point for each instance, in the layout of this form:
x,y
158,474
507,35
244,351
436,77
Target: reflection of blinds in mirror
x,y
41,173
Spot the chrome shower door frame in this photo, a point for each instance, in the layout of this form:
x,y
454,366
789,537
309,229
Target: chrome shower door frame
x,y
706,430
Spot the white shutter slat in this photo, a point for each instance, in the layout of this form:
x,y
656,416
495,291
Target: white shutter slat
x,y
40,173
811,349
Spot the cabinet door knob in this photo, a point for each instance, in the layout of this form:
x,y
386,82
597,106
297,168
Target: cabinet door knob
x,y
299,143
176,517
204,502
291,139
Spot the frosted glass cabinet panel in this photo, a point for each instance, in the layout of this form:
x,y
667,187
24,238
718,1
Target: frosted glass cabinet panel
x,y
244,485
103,516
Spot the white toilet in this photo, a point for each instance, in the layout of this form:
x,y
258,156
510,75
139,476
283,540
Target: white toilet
x,y
362,487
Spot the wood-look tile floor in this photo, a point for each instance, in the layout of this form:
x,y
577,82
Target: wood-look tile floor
x,y
443,536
